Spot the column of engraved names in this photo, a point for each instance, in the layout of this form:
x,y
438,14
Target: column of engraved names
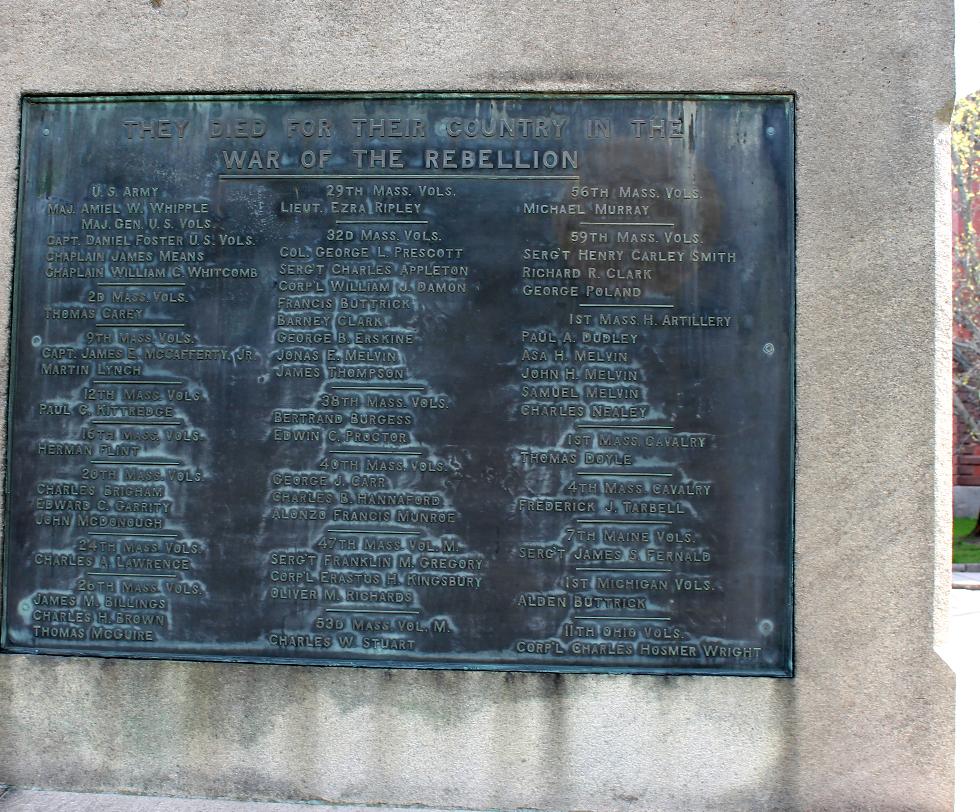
x,y
630,551
379,554
121,456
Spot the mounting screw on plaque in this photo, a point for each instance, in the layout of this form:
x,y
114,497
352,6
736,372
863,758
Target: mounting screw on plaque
x,y
768,348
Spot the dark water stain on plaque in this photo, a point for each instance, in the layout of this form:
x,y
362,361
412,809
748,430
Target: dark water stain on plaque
x,y
422,380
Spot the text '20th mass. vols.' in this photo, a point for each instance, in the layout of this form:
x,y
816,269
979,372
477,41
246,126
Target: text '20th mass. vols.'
x,y
423,380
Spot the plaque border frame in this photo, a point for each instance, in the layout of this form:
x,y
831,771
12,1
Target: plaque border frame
x,y
789,99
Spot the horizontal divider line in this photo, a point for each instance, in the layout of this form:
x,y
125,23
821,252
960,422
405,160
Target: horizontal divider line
x,y
606,223
644,426
378,388
370,451
135,574
394,176
617,569
619,473
360,610
136,535
137,423
620,521
667,306
367,531
391,222
136,462
127,382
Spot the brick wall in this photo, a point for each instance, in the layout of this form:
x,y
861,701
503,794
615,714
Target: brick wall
x,y
966,459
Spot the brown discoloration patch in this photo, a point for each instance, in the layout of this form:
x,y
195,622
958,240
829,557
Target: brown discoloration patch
x,y
945,113
156,3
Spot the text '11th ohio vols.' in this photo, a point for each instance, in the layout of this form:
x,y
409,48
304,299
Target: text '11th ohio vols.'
x,y
421,381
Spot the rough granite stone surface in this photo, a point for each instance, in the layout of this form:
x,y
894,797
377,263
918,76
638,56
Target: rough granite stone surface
x,y
868,720
20,800
43,800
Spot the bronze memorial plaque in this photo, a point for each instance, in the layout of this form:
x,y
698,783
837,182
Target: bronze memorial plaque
x,y
440,381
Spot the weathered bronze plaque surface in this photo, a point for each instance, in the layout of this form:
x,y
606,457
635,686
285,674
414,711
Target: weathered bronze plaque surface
x,y
428,381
